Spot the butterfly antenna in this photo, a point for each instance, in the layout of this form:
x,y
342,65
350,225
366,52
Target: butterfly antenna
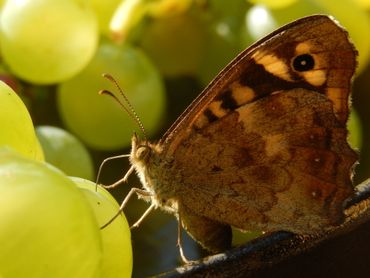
x,y
129,109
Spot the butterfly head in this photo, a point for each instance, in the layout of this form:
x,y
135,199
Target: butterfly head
x,y
140,150
146,159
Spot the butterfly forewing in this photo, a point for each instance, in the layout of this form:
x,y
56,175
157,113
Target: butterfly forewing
x,y
275,63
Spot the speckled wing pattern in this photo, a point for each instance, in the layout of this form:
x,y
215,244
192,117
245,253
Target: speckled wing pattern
x,y
264,147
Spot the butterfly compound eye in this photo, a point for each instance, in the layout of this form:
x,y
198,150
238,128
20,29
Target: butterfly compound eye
x,y
142,152
303,62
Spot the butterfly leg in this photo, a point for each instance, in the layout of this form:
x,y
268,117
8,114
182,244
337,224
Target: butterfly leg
x,y
145,214
212,235
122,180
139,192
179,241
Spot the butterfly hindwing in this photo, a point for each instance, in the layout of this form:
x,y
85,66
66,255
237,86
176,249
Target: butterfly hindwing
x,y
285,167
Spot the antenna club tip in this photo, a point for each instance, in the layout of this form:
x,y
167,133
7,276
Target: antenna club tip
x,y
109,77
106,92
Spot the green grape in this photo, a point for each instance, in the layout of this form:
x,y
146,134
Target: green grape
x,y
240,237
273,3
98,120
355,130
222,48
47,226
16,125
296,10
259,22
223,40
164,8
232,12
262,20
245,38
116,237
365,4
104,11
131,13
46,41
175,44
65,151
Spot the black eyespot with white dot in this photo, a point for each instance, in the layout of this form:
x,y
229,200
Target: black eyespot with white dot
x,y
304,62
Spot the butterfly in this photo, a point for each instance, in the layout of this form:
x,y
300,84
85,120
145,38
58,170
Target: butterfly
x,y
264,146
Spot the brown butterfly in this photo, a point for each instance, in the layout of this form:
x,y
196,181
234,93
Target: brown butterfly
x,y
264,146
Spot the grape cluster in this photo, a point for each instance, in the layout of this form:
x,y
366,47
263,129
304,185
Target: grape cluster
x,y
45,213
